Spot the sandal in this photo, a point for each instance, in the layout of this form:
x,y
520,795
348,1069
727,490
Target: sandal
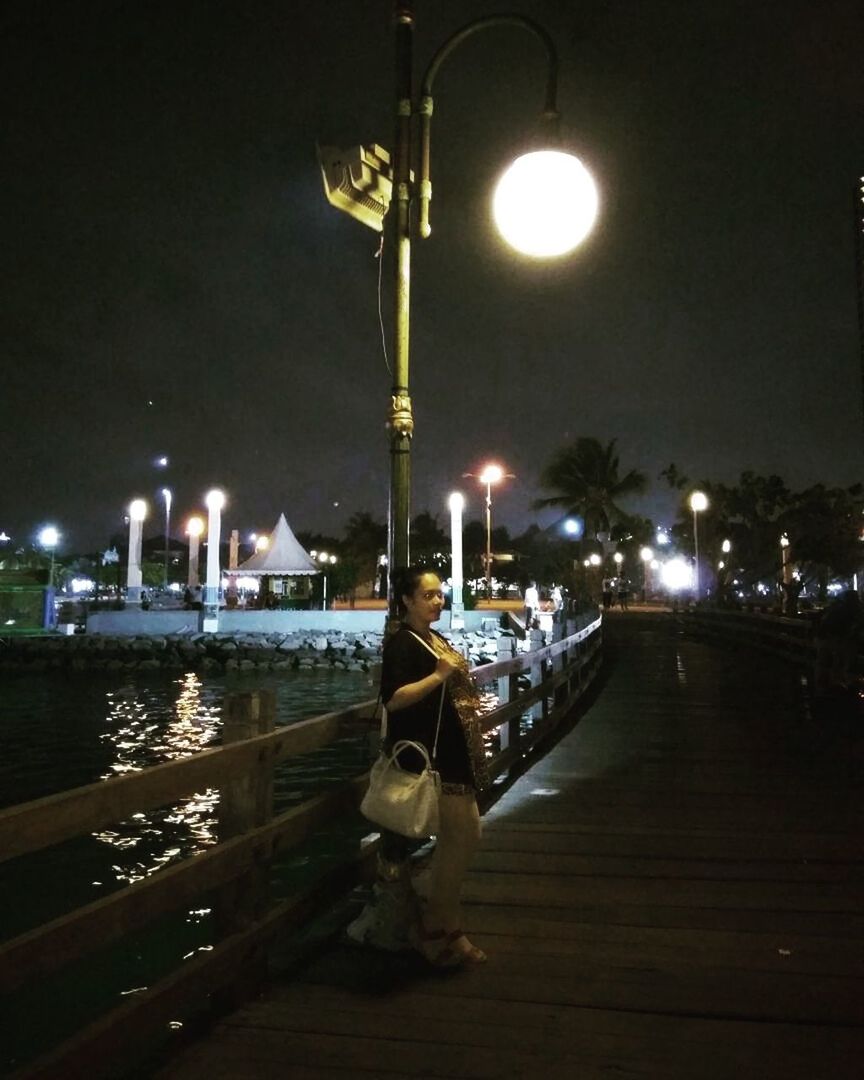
x,y
471,954
436,948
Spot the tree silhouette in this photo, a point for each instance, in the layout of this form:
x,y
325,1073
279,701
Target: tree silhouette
x,y
587,481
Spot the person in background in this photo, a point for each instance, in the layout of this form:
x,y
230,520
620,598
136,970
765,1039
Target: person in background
x,y
607,589
532,604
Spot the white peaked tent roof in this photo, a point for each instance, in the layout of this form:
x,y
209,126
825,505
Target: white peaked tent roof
x,y
283,555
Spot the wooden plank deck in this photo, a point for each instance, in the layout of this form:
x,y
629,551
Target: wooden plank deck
x,y
674,892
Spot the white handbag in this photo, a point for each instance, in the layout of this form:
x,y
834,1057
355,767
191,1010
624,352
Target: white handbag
x,y
401,801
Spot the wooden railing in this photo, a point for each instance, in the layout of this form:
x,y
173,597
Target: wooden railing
x,y
788,638
236,869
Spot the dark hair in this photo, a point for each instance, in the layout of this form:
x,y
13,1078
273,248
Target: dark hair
x,y
405,582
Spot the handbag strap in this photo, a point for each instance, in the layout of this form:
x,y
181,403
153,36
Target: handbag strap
x,y
438,721
426,645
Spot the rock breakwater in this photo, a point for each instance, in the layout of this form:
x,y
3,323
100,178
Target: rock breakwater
x,y
213,653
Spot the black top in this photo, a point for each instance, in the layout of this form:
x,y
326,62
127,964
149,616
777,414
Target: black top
x,y
407,660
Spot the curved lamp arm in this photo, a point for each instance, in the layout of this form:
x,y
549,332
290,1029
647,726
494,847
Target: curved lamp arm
x,y
550,109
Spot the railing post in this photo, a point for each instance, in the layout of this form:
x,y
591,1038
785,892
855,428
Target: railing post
x,y
508,734
245,803
537,641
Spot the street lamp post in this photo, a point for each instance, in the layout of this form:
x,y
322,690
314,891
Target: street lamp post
x,y
560,209
166,495
788,606
698,503
49,538
456,505
490,475
646,554
325,560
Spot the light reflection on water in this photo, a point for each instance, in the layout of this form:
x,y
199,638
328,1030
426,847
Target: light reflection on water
x,y
139,740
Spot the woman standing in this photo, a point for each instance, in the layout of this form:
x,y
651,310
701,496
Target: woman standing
x,y
423,676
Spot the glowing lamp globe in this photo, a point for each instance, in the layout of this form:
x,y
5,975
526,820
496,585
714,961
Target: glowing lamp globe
x,y
49,537
137,510
545,203
215,499
456,502
491,474
195,526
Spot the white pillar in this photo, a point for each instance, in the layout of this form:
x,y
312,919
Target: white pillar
x,y
457,606
210,620
137,513
194,529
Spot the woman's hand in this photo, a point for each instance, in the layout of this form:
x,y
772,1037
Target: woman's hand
x,y
444,668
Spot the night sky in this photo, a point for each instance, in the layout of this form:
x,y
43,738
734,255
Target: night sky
x,y
174,282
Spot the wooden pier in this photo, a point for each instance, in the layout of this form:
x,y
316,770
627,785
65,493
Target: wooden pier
x,y
675,891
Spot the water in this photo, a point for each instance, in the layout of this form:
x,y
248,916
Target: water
x,y
58,732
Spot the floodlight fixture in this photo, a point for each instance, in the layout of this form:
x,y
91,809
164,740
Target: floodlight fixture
x,y
358,181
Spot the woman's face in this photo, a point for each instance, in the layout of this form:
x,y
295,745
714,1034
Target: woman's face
x,y
425,604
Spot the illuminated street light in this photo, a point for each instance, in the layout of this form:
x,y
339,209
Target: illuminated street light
x,y
326,560
784,556
726,547
456,504
698,503
646,554
137,513
49,538
545,204
361,182
594,560
492,474
262,543
676,575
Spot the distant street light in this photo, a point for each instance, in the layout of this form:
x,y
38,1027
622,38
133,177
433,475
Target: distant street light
x,y
166,495
326,561
698,503
784,556
560,211
573,527
492,474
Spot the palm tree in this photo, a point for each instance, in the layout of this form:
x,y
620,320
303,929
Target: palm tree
x,y
586,478
365,541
